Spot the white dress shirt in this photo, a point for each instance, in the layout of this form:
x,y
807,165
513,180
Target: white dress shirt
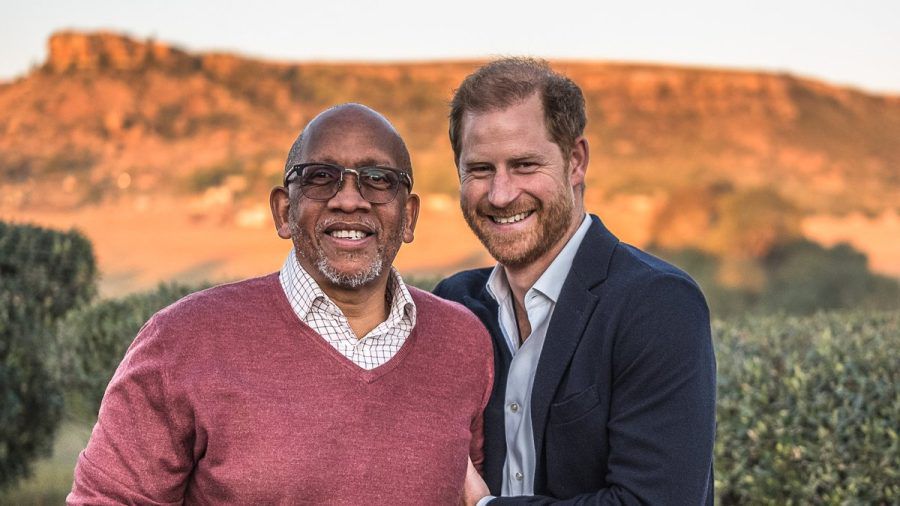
x,y
540,300
317,310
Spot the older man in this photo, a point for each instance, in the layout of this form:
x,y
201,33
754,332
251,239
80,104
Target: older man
x,y
328,382
605,374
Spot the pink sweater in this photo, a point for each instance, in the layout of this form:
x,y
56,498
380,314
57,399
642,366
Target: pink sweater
x,y
227,397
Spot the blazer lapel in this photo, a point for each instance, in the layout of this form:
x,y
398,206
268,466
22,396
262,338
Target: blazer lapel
x,y
485,308
574,308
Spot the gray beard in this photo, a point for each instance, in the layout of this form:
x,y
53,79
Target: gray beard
x,y
349,280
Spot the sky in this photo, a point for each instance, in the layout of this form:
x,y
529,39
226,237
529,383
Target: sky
x,y
842,42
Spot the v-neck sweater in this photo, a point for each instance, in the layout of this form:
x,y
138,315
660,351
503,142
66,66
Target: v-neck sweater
x,y
227,397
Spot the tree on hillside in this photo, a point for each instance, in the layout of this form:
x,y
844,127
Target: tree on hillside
x,y
799,277
749,223
805,277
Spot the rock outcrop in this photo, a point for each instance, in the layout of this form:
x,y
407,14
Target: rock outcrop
x,y
105,50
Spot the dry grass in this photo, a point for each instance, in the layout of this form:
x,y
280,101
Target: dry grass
x,y
52,477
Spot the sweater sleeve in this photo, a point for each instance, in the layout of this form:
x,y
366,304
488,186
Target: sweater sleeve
x,y
141,448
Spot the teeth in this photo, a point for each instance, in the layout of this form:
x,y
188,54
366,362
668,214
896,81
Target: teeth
x,y
353,235
511,219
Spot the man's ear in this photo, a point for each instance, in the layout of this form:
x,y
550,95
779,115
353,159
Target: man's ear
x,y
578,161
280,202
412,214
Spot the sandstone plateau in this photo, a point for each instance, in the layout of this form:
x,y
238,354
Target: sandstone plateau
x,y
164,158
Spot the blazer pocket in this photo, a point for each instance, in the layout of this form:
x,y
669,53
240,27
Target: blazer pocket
x,y
575,406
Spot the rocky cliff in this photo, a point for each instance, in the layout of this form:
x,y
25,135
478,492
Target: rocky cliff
x,y
111,120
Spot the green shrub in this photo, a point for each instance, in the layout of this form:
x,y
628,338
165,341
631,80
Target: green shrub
x,y
808,409
805,277
214,175
93,340
15,169
43,274
169,121
800,277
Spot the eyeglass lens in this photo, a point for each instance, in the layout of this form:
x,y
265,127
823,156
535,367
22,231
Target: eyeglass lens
x,y
376,185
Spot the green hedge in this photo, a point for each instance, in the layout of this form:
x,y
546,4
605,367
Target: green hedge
x,y
808,409
93,339
43,274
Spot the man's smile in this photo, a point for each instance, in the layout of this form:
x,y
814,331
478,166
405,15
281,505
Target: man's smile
x,y
353,235
506,220
348,235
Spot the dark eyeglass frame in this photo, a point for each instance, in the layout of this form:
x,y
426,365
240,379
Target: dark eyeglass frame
x,y
296,170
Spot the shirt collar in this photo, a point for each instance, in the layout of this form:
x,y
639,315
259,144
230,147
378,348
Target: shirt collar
x,y
302,292
551,281
402,304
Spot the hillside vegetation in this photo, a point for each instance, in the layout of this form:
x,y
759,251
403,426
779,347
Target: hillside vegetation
x,y
103,104
731,163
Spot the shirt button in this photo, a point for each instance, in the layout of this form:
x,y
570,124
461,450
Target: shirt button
x,y
514,407
519,476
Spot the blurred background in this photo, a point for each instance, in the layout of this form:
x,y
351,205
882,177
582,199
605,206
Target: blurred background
x,y
754,144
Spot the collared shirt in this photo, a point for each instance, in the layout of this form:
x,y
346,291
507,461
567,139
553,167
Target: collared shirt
x,y
317,310
540,300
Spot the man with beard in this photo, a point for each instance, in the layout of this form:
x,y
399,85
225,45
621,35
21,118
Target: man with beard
x,y
329,382
604,369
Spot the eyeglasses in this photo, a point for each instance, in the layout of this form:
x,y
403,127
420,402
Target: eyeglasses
x,y
321,181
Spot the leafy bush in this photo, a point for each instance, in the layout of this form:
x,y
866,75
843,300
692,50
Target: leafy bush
x,y
808,409
805,277
93,340
214,175
169,122
800,277
15,169
43,274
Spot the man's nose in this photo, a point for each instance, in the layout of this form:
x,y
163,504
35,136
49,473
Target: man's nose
x,y
503,189
348,198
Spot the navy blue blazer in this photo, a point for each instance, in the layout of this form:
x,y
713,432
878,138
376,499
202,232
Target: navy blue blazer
x,y
624,397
